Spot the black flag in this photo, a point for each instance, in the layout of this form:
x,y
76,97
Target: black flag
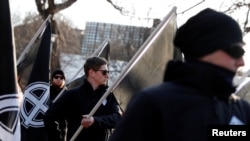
x,y
9,104
26,60
36,94
147,66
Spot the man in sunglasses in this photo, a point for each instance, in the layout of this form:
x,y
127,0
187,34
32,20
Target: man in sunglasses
x,y
57,81
196,100
75,105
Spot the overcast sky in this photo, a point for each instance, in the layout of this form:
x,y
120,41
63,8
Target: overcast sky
x,y
102,11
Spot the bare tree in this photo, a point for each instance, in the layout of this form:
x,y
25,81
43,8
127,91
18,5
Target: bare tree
x,y
234,7
24,33
50,7
241,5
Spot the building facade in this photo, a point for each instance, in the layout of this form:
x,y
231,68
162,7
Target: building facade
x,y
124,40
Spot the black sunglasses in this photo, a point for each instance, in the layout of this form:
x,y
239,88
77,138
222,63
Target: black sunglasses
x,y
56,77
234,51
104,72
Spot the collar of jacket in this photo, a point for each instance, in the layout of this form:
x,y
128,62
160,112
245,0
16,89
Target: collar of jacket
x,y
213,79
87,86
55,89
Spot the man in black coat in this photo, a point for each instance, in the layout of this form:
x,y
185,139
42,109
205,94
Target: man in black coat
x,y
57,85
75,105
196,95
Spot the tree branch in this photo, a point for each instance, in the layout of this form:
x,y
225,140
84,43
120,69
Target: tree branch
x,y
61,6
192,7
115,6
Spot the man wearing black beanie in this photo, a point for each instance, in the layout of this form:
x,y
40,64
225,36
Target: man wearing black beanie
x,y
57,85
196,101
207,32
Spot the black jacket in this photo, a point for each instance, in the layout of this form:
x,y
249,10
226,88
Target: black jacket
x,y
55,91
60,135
193,97
80,101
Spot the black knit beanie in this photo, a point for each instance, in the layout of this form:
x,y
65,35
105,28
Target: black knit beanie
x,y
207,32
60,72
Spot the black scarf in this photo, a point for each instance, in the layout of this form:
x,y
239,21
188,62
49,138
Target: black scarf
x,y
213,79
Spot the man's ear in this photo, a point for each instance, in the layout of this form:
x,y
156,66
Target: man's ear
x,y
91,72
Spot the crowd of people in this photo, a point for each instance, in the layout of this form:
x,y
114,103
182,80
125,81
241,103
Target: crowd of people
x,y
196,95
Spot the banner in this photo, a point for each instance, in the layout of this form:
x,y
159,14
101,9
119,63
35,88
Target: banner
x,y
9,104
36,94
25,61
148,65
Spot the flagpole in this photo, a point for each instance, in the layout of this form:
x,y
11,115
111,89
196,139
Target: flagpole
x,y
42,27
131,63
243,77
